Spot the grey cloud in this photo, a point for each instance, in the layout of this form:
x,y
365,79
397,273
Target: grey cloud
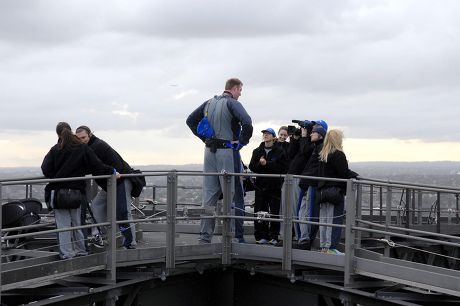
x,y
377,70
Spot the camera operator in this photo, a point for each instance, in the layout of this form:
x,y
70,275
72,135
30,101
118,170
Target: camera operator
x,y
296,162
307,210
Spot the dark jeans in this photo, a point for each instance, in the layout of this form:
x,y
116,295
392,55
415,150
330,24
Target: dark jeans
x,y
269,201
238,197
122,213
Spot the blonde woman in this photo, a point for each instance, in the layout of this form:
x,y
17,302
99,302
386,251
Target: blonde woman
x,y
333,164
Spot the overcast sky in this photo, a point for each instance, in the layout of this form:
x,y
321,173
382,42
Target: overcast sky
x,y
386,72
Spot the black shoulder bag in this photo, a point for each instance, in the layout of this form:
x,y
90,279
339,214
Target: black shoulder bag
x,y
67,199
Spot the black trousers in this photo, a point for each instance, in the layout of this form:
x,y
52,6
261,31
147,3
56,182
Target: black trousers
x,y
269,201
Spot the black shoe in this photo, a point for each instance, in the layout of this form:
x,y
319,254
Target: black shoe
x,y
304,245
130,247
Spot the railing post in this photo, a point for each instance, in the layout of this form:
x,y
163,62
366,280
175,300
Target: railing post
x,y
408,211
227,202
171,220
287,222
381,204
438,214
388,219
371,206
456,208
359,212
419,207
112,232
154,192
350,220
1,226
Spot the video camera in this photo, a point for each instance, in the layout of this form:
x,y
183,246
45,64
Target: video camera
x,y
304,123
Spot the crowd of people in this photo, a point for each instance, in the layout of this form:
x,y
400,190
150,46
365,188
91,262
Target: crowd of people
x,y
224,126
310,150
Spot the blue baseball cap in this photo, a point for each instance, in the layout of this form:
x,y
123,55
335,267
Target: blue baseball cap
x,y
269,130
322,123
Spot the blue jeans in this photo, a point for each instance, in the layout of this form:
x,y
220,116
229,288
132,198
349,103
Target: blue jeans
x,y
99,207
308,211
332,214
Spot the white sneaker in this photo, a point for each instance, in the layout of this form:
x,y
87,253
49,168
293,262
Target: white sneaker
x,y
274,242
262,241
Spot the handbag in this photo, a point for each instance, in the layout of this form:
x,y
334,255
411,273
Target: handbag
x,y
331,195
67,199
138,183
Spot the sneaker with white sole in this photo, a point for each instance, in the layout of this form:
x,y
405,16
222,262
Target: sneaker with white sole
x,y
334,251
262,241
274,242
97,241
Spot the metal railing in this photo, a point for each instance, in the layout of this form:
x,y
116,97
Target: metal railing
x,y
355,224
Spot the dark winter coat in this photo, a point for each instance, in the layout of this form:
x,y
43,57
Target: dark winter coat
x,y
73,161
276,164
312,166
336,167
109,157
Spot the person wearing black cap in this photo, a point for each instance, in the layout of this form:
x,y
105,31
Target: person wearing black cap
x,y
268,159
70,158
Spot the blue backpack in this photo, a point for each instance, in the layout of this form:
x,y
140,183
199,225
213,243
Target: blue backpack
x,y
204,128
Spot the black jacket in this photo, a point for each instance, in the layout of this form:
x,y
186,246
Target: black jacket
x,y
312,166
74,161
336,167
276,164
109,157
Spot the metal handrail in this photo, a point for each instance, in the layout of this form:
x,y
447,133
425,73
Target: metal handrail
x,y
171,219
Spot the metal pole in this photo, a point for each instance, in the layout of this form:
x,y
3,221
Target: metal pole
x,y
371,205
349,234
438,214
381,204
371,202
388,219
171,220
287,222
27,191
1,225
456,207
112,232
359,211
408,212
419,207
413,207
226,236
154,192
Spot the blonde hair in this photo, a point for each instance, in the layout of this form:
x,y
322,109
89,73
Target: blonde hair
x,y
332,143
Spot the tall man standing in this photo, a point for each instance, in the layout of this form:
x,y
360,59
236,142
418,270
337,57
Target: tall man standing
x,y
110,157
232,130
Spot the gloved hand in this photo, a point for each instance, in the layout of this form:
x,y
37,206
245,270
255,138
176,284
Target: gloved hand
x,y
237,146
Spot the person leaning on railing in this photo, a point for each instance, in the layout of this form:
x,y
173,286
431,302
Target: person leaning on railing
x,y
70,158
330,194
